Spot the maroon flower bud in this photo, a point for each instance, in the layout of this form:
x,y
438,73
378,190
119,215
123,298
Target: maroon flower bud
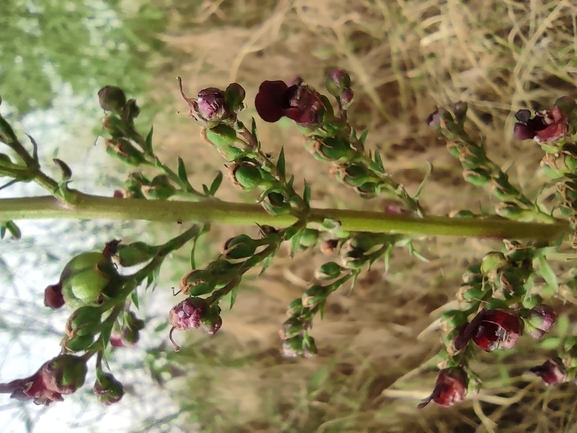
x,y
53,296
108,389
539,320
491,330
210,106
112,98
338,80
450,388
551,371
65,373
434,120
545,126
186,315
297,102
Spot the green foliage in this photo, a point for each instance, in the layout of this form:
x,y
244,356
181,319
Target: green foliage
x,y
84,45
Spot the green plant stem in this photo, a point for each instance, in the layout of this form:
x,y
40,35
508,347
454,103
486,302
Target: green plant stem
x,y
95,207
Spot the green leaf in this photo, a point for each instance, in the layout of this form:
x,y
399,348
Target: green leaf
x,y
182,175
205,190
322,309
307,193
215,185
423,182
266,263
296,243
363,136
281,163
148,142
548,274
253,131
379,162
163,325
134,298
13,229
550,343
291,182
34,148
64,168
2,231
233,294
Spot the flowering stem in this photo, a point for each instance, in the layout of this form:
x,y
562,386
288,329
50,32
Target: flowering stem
x,y
95,207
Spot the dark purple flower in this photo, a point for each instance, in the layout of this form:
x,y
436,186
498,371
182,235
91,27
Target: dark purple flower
x,y
545,126
539,320
491,330
450,388
551,371
298,102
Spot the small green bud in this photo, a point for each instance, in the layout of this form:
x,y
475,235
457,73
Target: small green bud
x,y
510,211
78,343
478,176
276,204
240,247
328,271
133,254
133,322
337,81
295,308
245,175
331,149
223,137
309,238
84,321
314,295
160,188
234,97
291,328
124,151
65,373
107,388
493,262
85,278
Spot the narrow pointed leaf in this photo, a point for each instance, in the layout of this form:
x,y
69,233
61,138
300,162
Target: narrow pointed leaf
x,y
215,185
148,142
281,163
307,194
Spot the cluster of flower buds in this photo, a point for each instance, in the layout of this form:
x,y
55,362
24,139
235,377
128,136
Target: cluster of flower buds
x,y
126,330
86,280
356,251
60,376
479,170
125,143
330,138
192,313
497,294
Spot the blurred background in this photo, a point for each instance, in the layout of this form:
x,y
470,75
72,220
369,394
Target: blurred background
x,y
405,58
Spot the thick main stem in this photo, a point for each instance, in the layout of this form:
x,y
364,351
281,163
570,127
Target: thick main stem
x,y
94,207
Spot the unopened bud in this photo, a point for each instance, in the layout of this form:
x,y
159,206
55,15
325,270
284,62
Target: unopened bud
x,y
328,271
65,373
314,295
53,296
112,98
245,175
108,389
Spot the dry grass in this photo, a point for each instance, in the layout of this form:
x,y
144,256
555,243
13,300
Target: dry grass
x,y
405,57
